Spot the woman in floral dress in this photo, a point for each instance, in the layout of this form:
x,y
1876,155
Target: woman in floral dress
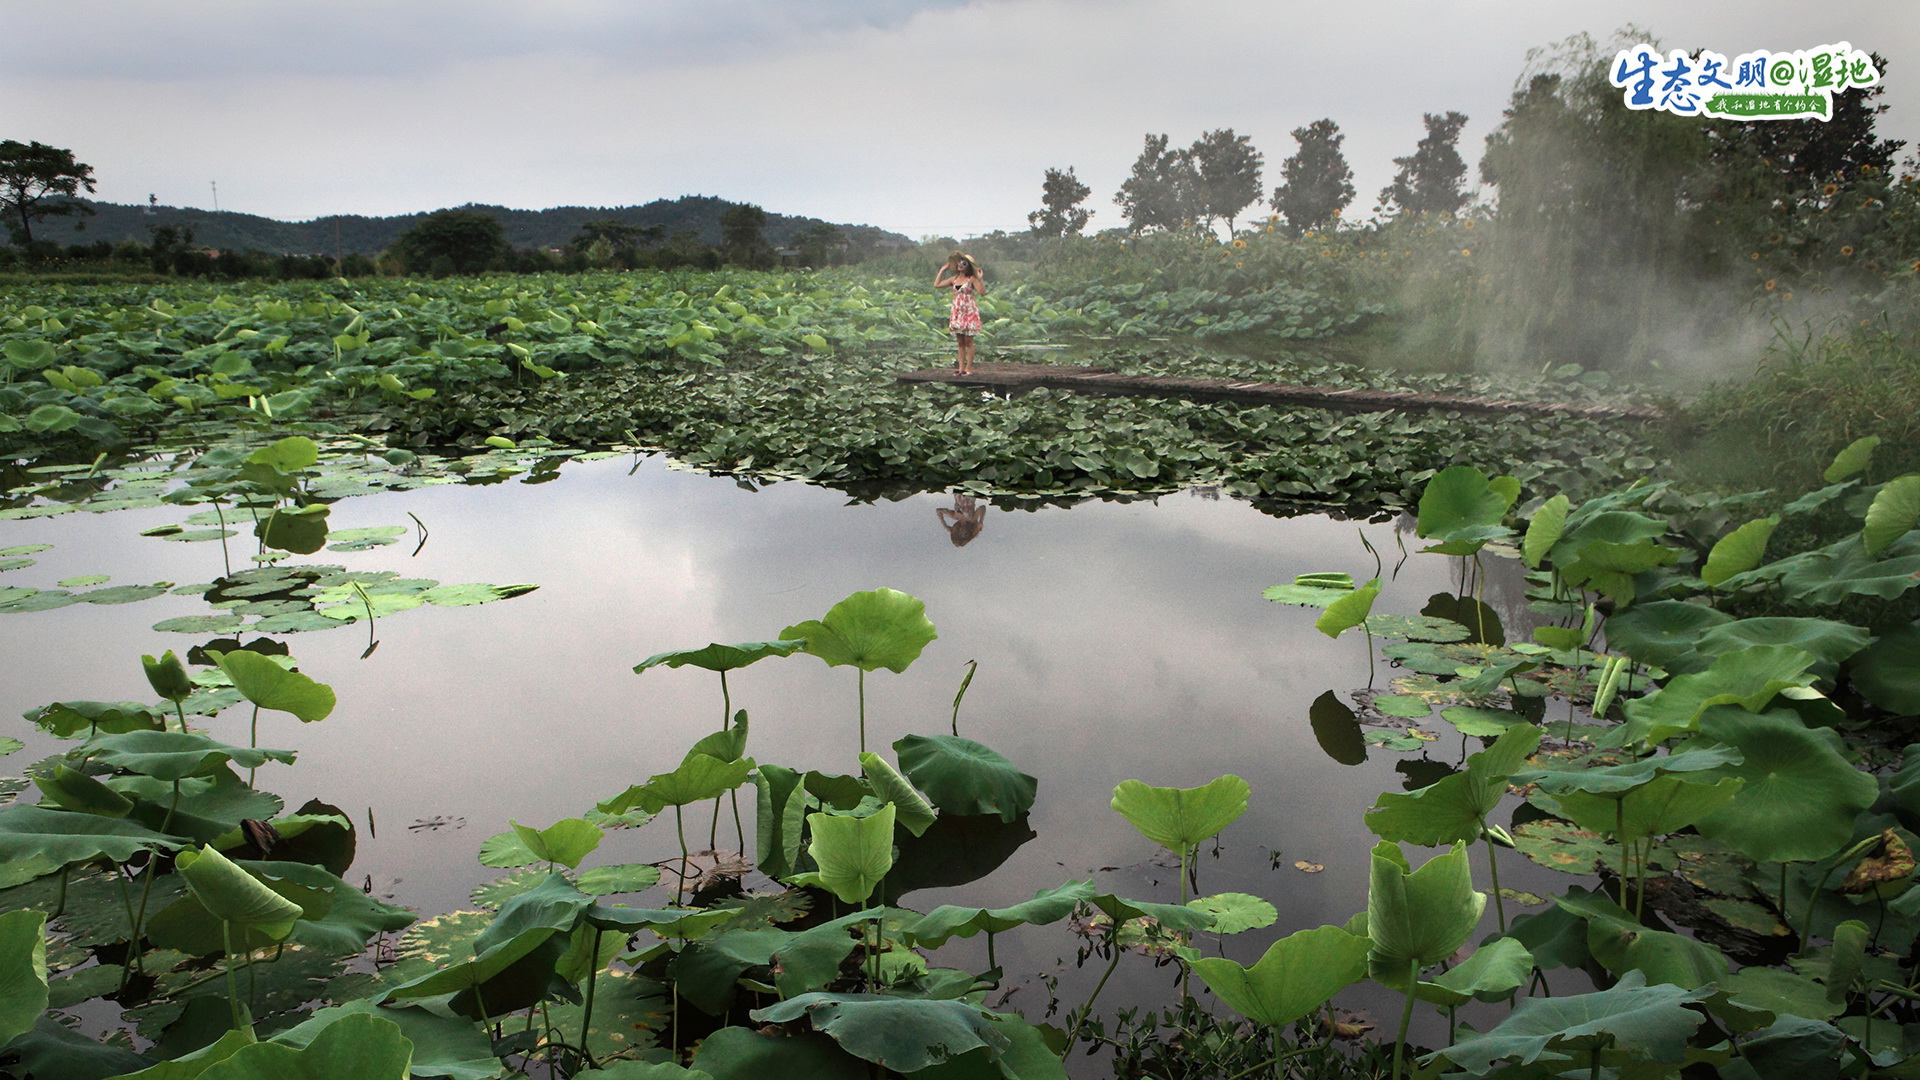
x,y
964,320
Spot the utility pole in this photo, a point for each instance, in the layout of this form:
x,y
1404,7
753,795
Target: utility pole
x,y
216,195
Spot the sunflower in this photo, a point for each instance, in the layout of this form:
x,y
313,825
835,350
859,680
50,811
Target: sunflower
x,y
1239,244
1237,266
1847,250
1830,189
1769,284
1467,224
1466,251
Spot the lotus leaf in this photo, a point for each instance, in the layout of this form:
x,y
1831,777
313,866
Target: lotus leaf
x,y
717,657
914,810
853,854
1481,723
1647,1023
1749,677
167,676
1544,530
1853,459
698,779
1801,795
234,896
901,1034
566,842
1828,576
442,1046
870,630
1893,514
1887,672
359,1045
1348,611
1455,808
707,971
1417,918
174,755
1180,818
1833,642
1739,551
1233,912
1623,944
271,686
1047,906
1174,917
963,777
1463,509
1665,804
619,878
36,841
1607,779
1294,977
1311,590
67,719
72,790
288,455
1494,971
473,593
740,1053
23,971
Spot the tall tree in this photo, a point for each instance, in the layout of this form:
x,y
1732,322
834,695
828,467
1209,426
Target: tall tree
x,y
1159,193
1317,184
454,241
39,181
1060,212
1226,175
742,229
1429,181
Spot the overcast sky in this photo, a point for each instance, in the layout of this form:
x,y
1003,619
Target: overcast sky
x,y
923,116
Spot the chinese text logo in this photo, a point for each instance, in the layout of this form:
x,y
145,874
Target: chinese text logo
x,y
1754,86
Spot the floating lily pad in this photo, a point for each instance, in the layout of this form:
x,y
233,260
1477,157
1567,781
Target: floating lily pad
x,y
465,595
494,893
295,622
1558,845
1403,705
162,530
201,624
196,536
24,549
1400,741
1480,722
1747,915
16,564
38,600
50,510
80,582
1417,628
121,594
364,539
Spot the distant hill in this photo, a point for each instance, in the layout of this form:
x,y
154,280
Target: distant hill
x,y
350,233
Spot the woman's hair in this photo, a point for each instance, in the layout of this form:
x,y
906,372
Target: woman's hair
x,y
965,261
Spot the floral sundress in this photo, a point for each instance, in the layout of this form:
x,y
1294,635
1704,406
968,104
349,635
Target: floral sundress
x,y
965,317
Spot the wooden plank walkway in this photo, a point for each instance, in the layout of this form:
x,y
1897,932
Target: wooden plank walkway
x,y
1014,376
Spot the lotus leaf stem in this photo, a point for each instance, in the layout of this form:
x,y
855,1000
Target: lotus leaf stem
x,y
233,993
1086,1010
593,978
1406,1017
863,710
1493,870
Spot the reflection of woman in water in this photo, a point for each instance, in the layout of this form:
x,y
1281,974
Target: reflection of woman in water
x,y
967,282
964,520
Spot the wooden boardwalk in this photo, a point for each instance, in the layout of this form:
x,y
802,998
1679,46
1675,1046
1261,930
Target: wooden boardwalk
x,y
1014,377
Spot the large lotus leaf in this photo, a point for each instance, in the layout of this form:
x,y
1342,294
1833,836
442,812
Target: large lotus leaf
x,y
1179,818
1234,912
1494,971
1453,808
1463,509
1296,975
1664,804
913,810
901,1034
442,1046
963,777
648,1070
52,1049
740,1053
853,853
1739,551
190,1066
1623,944
870,630
359,1045
1747,677
1544,530
67,719
1801,795
351,919
188,926
618,878
781,801
1417,918
73,790
29,354
698,779
232,895
1648,1023
717,657
271,686
1311,590
1170,916
1606,779
1663,632
287,455
1785,992
1831,641
35,841
954,851
1851,460
727,744
23,971
1887,672
566,841
210,806
811,959
707,972
517,969
175,755
301,531
1349,611
1827,576
1893,514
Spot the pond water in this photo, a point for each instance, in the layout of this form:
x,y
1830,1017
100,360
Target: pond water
x,y
1114,641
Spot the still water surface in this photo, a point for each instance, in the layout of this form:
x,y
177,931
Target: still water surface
x,y
1114,641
